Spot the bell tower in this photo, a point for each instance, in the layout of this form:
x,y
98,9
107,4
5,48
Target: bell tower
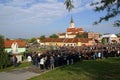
x,y
71,23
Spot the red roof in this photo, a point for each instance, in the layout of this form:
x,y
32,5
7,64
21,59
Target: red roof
x,y
84,40
61,34
71,40
73,33
52,40
74,29
8,43
67,40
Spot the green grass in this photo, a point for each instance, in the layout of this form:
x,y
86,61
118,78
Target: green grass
x,y
21,65
105,69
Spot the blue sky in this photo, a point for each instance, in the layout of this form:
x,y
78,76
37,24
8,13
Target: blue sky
x,y
33,18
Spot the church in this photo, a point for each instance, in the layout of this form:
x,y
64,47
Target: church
x,y
68,38
71,32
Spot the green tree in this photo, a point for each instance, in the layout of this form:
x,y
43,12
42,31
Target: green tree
x,y
42,37
81,35
1,51
112,8
32,40
53,36
4,57
1,43
104,41
69,4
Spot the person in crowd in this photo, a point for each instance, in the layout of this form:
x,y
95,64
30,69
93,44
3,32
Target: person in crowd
x,y
29,58
105,53
68,59
118,53
33,59
69,55
47,62
56,60
15,61
71,58
51,62
42,61
99,55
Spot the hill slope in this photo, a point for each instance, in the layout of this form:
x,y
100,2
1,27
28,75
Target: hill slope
x,y
105,69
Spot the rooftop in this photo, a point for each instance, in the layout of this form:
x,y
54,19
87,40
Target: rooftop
x,y
8,43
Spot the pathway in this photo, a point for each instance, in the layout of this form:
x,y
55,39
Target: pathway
x,y
20,74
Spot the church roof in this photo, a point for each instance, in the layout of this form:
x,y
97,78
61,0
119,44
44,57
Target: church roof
x,y
8,43
74,29
61,34
73,33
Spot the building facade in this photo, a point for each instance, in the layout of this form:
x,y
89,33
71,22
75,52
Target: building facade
x,y
93,35
111,38
67,42
8,45
15,47
71,32
69,38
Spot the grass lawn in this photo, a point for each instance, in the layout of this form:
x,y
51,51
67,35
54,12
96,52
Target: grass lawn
x,y
105,69
22,65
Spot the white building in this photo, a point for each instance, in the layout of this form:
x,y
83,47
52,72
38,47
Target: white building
x,y
71,32
111,38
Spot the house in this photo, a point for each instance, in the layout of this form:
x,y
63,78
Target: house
x,y
15,47
67,42
93,35
111,38
8,45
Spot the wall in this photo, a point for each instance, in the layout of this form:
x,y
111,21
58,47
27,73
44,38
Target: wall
x,y
20,50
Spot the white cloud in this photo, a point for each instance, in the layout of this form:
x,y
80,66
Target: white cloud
x,y
46,12
51,0
39,12
13,15
19,3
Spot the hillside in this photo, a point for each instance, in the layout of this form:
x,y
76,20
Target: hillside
x,y
105,69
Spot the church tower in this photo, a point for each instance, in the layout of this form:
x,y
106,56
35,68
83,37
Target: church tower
x,y
71,23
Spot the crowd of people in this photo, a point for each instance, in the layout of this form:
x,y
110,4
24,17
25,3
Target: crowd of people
x,y
70,55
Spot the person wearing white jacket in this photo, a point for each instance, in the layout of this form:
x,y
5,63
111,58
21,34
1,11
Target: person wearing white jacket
x,y
42,61
29,58
99,55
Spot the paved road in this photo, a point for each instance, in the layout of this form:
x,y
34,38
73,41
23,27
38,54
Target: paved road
x,y
19,74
